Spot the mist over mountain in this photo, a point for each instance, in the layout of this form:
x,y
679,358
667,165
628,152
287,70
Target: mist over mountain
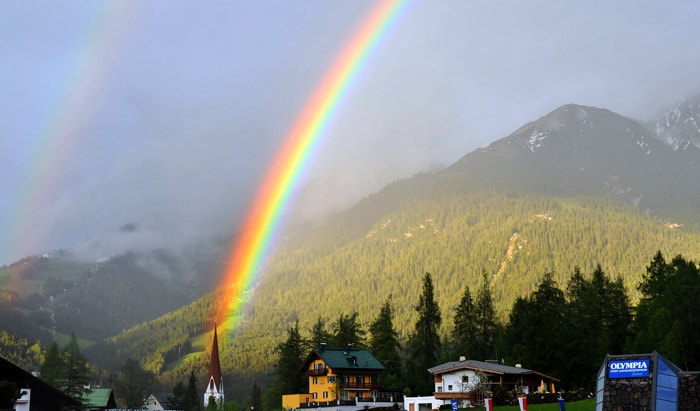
x,y
579,186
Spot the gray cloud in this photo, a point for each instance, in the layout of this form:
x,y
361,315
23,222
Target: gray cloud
x,y
179,107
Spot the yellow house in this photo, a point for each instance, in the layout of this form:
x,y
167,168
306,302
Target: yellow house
x,y
337,376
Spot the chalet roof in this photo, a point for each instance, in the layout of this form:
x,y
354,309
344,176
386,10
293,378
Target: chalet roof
x,y
493,368
99,398
345,358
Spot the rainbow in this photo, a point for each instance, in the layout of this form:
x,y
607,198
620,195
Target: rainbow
x,y
59,133
250,248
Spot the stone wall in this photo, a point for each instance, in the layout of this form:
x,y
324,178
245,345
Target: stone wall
x,y
628,394
689,391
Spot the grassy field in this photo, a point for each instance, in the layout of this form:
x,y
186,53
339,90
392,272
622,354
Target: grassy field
x,y
585,405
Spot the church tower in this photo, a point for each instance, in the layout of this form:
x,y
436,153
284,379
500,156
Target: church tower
x,y
215,383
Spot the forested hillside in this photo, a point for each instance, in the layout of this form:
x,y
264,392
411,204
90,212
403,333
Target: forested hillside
x,y
56,293
578,188
575,191
513,236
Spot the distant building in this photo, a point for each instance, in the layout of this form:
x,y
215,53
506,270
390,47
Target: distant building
x,y
99,399
468,381
214,387
158,401
338,376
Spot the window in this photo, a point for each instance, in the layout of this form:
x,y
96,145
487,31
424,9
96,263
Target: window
x,y
465,379
332,378
325,394
666,388
449,387
360,381
315,380
315,395
439,389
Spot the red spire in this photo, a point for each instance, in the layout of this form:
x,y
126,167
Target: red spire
x,y
215,366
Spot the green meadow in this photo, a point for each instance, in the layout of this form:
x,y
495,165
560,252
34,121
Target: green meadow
x,y
585,405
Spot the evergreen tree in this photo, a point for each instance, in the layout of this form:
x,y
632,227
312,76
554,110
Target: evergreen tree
x,y
464,332
535,326
424,344
134,384
76,374
348,331
384,344
667,317
178,401
518,332
654,281
618,316
192,397
291,356
319,334
580,341
485,320
52,369
547,317
597,322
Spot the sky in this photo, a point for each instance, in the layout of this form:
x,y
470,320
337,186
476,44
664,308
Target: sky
x,y
164,115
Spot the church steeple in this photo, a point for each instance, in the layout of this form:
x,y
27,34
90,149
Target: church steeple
x,y
215,383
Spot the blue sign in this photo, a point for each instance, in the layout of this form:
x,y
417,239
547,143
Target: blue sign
x,y
455,406
628,369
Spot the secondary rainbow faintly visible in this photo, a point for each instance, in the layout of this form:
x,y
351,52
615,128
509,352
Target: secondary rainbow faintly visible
x,y
58,134
251,246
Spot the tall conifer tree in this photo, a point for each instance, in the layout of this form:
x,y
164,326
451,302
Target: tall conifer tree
x,y
77,375
384,343
319,334
53,368
485,320
292,355
348,331
465,327
424,343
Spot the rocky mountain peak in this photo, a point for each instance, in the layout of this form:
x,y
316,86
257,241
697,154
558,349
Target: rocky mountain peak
x,y
679,126
572,128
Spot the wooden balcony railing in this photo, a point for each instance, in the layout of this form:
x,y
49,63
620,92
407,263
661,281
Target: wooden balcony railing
x,y
317,372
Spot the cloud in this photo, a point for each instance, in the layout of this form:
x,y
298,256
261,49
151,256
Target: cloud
x,y
183,121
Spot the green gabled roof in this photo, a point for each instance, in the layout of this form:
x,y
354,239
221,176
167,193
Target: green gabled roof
x,y
97,397
348,358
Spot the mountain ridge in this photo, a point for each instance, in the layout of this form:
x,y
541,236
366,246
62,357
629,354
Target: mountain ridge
x,y
579,186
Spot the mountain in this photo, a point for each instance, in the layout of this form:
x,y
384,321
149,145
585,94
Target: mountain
x,y
679,126
58,293
580,186
577,187
577,150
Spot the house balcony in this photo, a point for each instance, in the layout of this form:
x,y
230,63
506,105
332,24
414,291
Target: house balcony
x,y
454,395
362,386
317,372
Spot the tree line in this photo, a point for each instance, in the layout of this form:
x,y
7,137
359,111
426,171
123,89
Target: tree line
x,y
563,332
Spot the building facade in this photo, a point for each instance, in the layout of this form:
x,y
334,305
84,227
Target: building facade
x,y
337,376
468,380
